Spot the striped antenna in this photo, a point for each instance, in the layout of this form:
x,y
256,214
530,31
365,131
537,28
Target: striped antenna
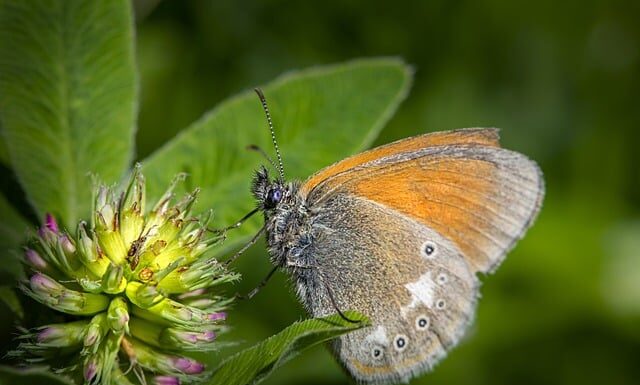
x,y
273,134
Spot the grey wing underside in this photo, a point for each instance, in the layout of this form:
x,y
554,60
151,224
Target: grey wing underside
x,y
375,260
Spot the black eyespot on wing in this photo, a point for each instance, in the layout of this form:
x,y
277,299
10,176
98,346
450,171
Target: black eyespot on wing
x,y
422,322
429,249
400,342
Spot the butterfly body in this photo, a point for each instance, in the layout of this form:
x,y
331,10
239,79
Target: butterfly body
x,y
398,233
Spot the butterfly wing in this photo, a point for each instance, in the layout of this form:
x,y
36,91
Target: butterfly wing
x,y
374,261
401,238
480,197
487,137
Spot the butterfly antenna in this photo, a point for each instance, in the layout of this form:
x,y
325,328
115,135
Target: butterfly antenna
x,y
259,150
273,134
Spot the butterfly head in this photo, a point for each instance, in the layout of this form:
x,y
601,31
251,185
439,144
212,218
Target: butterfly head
x,y
283,209
283,205
269,193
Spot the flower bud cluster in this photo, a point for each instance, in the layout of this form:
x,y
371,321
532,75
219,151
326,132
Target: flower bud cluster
x,y
140,289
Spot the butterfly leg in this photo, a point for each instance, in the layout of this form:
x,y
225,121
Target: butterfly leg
x,y
223,231
245,247
262,284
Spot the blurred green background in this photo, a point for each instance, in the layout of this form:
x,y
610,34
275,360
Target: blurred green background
x,y
562,81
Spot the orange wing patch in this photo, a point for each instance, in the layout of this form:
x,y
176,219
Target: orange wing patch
x,y
478,203
480,136
439,198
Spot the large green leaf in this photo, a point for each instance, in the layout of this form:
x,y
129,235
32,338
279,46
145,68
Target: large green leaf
x,y
257,362
67,98
320,115
31,376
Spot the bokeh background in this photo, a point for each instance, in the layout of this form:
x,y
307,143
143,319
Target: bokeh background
x,y
561,79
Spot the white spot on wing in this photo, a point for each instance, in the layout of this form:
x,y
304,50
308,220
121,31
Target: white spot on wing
x,y
421,292
379,335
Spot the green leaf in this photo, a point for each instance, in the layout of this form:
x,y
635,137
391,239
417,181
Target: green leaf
x,y
321,115
31,376
67,98
257,362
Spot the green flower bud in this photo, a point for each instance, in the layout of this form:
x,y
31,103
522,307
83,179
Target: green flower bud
x,y
67,246
188,340
89,253
96,330
143,296
61,335
200,274
48,292
90,372
131,216
159,335
133,285
113,281
172,312
155,361
118,315
35,261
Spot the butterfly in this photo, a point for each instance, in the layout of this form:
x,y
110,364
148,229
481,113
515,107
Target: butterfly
x,y
400,233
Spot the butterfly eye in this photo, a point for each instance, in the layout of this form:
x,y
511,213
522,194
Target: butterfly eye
x,y
400,342
273,197
377,353
429,249
422,322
